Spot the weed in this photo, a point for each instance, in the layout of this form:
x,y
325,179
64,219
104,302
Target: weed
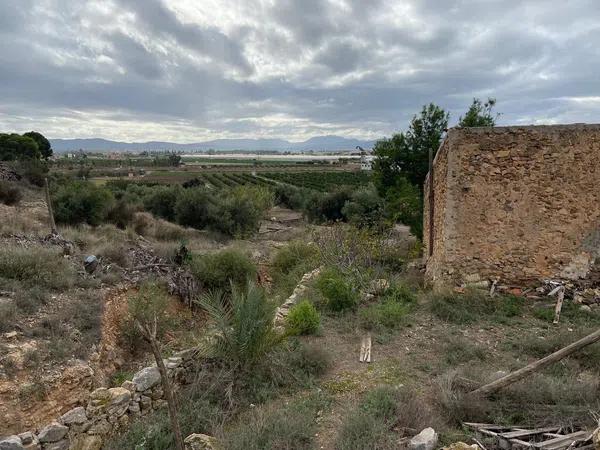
x,y
303,318
10,194
473,306
9,367
36,265
458,350
29,301
221,269
269,427
8,314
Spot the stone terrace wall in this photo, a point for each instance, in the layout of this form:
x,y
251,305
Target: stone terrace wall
x,y
516,203
108,411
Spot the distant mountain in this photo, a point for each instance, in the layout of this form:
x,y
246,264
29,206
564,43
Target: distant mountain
x,y
318,144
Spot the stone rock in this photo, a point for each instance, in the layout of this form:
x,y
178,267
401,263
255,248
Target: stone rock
x,y
52,433
118,402
425,440
146,378
461,446
90,263
76,416
60,445
27,438
199,442
145,403
129,385
11,443
87,442
585,308
100,427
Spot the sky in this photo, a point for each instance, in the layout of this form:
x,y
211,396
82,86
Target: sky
x,y
193,70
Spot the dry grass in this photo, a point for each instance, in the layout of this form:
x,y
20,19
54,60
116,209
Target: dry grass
x,y
148,226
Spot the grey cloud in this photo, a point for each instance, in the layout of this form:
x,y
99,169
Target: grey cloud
x,y
298,67
211,42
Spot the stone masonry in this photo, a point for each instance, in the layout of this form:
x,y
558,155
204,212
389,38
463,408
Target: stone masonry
x,y
516,204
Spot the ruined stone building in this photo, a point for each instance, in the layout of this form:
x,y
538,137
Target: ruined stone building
x,y
517,204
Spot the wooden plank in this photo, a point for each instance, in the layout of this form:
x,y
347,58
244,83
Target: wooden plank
x,y
523,433
560,442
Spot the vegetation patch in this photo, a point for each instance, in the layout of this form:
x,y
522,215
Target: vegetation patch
x,y
303,318
338,292
222,269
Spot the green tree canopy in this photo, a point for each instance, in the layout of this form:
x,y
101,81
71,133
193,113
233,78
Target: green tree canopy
x,y
15,147
479,114
408,154
43,144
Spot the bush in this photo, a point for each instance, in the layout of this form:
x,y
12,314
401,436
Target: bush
x,y
36,266
221,269
327,207
364,208
296,253
388,314
29,301
290,196
239,213
404,204
10,194
192,208
245,329
82,202
120,214
162,200
303,318
338,293
33,170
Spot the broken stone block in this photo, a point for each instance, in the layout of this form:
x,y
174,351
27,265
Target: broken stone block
x,y
76,416
52,433
11,443
199,442
425,440
146,378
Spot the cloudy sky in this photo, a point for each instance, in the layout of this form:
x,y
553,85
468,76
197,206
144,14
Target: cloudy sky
x,y
190,70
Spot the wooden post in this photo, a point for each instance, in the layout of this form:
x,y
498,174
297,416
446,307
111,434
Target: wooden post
x,y
431,202
49,204
559,303
537,365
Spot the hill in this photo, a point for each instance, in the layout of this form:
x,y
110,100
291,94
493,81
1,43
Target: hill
x,y
318,143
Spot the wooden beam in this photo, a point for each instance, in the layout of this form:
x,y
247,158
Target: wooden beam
x,y
537,365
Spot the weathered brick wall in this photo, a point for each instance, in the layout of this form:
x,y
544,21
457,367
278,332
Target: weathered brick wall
x,y
516,203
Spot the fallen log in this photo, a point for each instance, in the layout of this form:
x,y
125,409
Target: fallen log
x,y
537,365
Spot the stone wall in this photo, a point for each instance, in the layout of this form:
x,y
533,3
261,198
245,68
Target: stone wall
x,y
107,411
518,204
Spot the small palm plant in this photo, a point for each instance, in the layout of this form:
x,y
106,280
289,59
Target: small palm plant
x,y
243,323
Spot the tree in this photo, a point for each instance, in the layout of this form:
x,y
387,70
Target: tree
x,y
479,114
43,144
14,147
148,310
408,154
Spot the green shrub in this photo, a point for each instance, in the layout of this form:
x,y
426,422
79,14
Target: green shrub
x,y
33,170
388,314
364,208
239,212
327,207
192,208
339,294
290,196
162,200
82,202
245,328
303,318
296,253
10,194
36,266
221,269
